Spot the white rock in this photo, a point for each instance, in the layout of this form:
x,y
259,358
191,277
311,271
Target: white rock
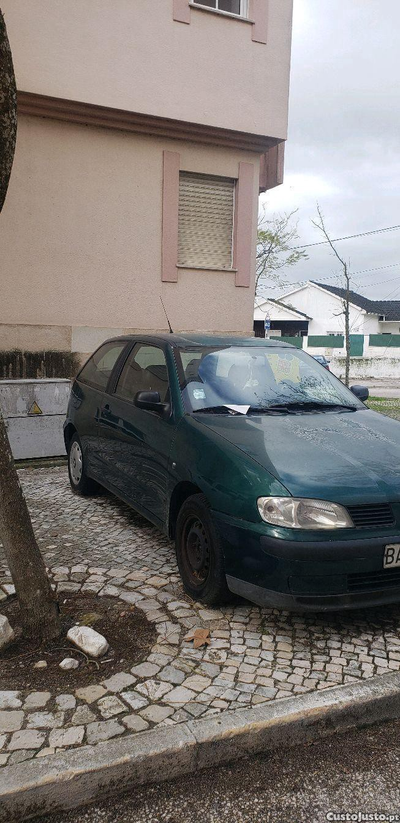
x,y
89,641
69,663
6,632
41,664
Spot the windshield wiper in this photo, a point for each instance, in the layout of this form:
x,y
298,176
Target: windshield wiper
x,y
294,408
216,410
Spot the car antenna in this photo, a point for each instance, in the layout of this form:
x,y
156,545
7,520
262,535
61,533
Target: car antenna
x,y
165,312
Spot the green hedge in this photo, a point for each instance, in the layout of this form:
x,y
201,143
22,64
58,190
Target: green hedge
x,y
391,341
326,341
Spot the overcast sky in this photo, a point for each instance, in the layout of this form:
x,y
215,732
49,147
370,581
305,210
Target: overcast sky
x,y
344,138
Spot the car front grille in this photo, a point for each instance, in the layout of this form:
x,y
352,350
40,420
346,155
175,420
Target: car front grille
x,y
372,516
367,581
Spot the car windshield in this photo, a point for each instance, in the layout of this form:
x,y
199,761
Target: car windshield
x,y
258,378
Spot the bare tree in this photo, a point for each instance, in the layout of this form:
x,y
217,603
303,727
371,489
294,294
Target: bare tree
x,y
38,604
320,225
275,250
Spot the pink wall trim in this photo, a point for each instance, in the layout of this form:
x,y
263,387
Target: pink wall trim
x,y
259,13
181,11
170,208
243,234
272,167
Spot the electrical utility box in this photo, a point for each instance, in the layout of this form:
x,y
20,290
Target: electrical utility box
x,y
34,411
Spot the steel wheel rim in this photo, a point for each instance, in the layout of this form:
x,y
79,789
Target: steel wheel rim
x,y
196,555
76,463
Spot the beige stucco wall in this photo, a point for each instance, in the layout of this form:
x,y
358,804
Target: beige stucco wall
x,y
131,54
80,241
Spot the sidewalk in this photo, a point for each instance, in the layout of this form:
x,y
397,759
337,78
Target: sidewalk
x,y
256,655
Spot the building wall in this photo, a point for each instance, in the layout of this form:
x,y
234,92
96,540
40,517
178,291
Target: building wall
x,y
81,240
133,55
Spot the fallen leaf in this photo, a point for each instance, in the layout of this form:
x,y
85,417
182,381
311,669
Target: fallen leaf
x,y
200,637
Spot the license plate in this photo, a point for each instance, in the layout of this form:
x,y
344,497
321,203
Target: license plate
x,y
391,558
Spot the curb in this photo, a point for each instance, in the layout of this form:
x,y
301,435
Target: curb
x,y
79,777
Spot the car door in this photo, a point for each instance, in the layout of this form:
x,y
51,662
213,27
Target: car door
x,y
137,442
87,399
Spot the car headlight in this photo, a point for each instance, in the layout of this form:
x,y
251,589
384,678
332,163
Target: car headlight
x,y
300,513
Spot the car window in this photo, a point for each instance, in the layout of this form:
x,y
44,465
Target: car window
x,y
144,370
98,369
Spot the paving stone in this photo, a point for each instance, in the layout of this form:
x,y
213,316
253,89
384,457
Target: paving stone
x,y
179,696
46,751
134,700
90,693
82,716
134,723
119,681
60,738
37,700
145,670
45,720
10,700
110,706
26,740
103,730
156,714
153,690
3,739
11,721
65,701
197,682
172,675
4,758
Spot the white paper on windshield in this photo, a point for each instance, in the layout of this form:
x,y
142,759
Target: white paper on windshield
x,y
240,409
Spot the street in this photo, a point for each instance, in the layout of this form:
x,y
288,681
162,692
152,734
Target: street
x,y
353,773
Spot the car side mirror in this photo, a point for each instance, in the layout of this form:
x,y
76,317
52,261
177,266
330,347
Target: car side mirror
x,y
150,401
361,392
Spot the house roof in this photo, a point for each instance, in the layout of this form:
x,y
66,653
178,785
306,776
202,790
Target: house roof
x,y
288,306
284,306
389,308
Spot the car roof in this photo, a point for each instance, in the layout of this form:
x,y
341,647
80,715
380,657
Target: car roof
x,y
187,340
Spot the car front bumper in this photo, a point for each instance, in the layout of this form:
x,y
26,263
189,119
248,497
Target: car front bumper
x,y
307,574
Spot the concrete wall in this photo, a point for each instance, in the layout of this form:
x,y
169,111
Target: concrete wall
x,y
81,241
132,54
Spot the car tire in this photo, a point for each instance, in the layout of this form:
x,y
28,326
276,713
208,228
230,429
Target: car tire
x,y
199,553
80,482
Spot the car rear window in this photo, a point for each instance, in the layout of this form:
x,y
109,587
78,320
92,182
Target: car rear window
x,y
97,370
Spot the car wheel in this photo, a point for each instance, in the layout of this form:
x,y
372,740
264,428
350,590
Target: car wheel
x,y
199,553
80,482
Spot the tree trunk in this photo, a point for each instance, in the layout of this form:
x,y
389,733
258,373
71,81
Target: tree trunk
x,y
8,111
38,604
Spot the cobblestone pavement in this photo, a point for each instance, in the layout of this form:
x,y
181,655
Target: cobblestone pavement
x,y
256,655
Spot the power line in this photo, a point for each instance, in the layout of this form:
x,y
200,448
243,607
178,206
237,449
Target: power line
x,y
348,237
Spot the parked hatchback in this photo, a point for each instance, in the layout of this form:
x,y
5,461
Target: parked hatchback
x,y
275,480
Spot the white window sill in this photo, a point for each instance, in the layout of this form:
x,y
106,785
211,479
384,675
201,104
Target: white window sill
x,y
221,14
203,268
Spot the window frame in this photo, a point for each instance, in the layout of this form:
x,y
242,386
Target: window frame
x,y
122,363
243,14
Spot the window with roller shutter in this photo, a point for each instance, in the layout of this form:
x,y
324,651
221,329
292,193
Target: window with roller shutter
x,y
206,212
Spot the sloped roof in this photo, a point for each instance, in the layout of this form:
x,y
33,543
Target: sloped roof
x,y
389,308
288,306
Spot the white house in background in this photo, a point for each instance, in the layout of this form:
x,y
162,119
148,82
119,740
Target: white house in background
x,y
285,321
321,307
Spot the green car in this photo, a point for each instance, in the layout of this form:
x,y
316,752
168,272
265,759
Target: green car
x,y
276,482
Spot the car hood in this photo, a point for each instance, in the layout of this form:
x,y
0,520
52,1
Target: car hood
x,y
348,457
